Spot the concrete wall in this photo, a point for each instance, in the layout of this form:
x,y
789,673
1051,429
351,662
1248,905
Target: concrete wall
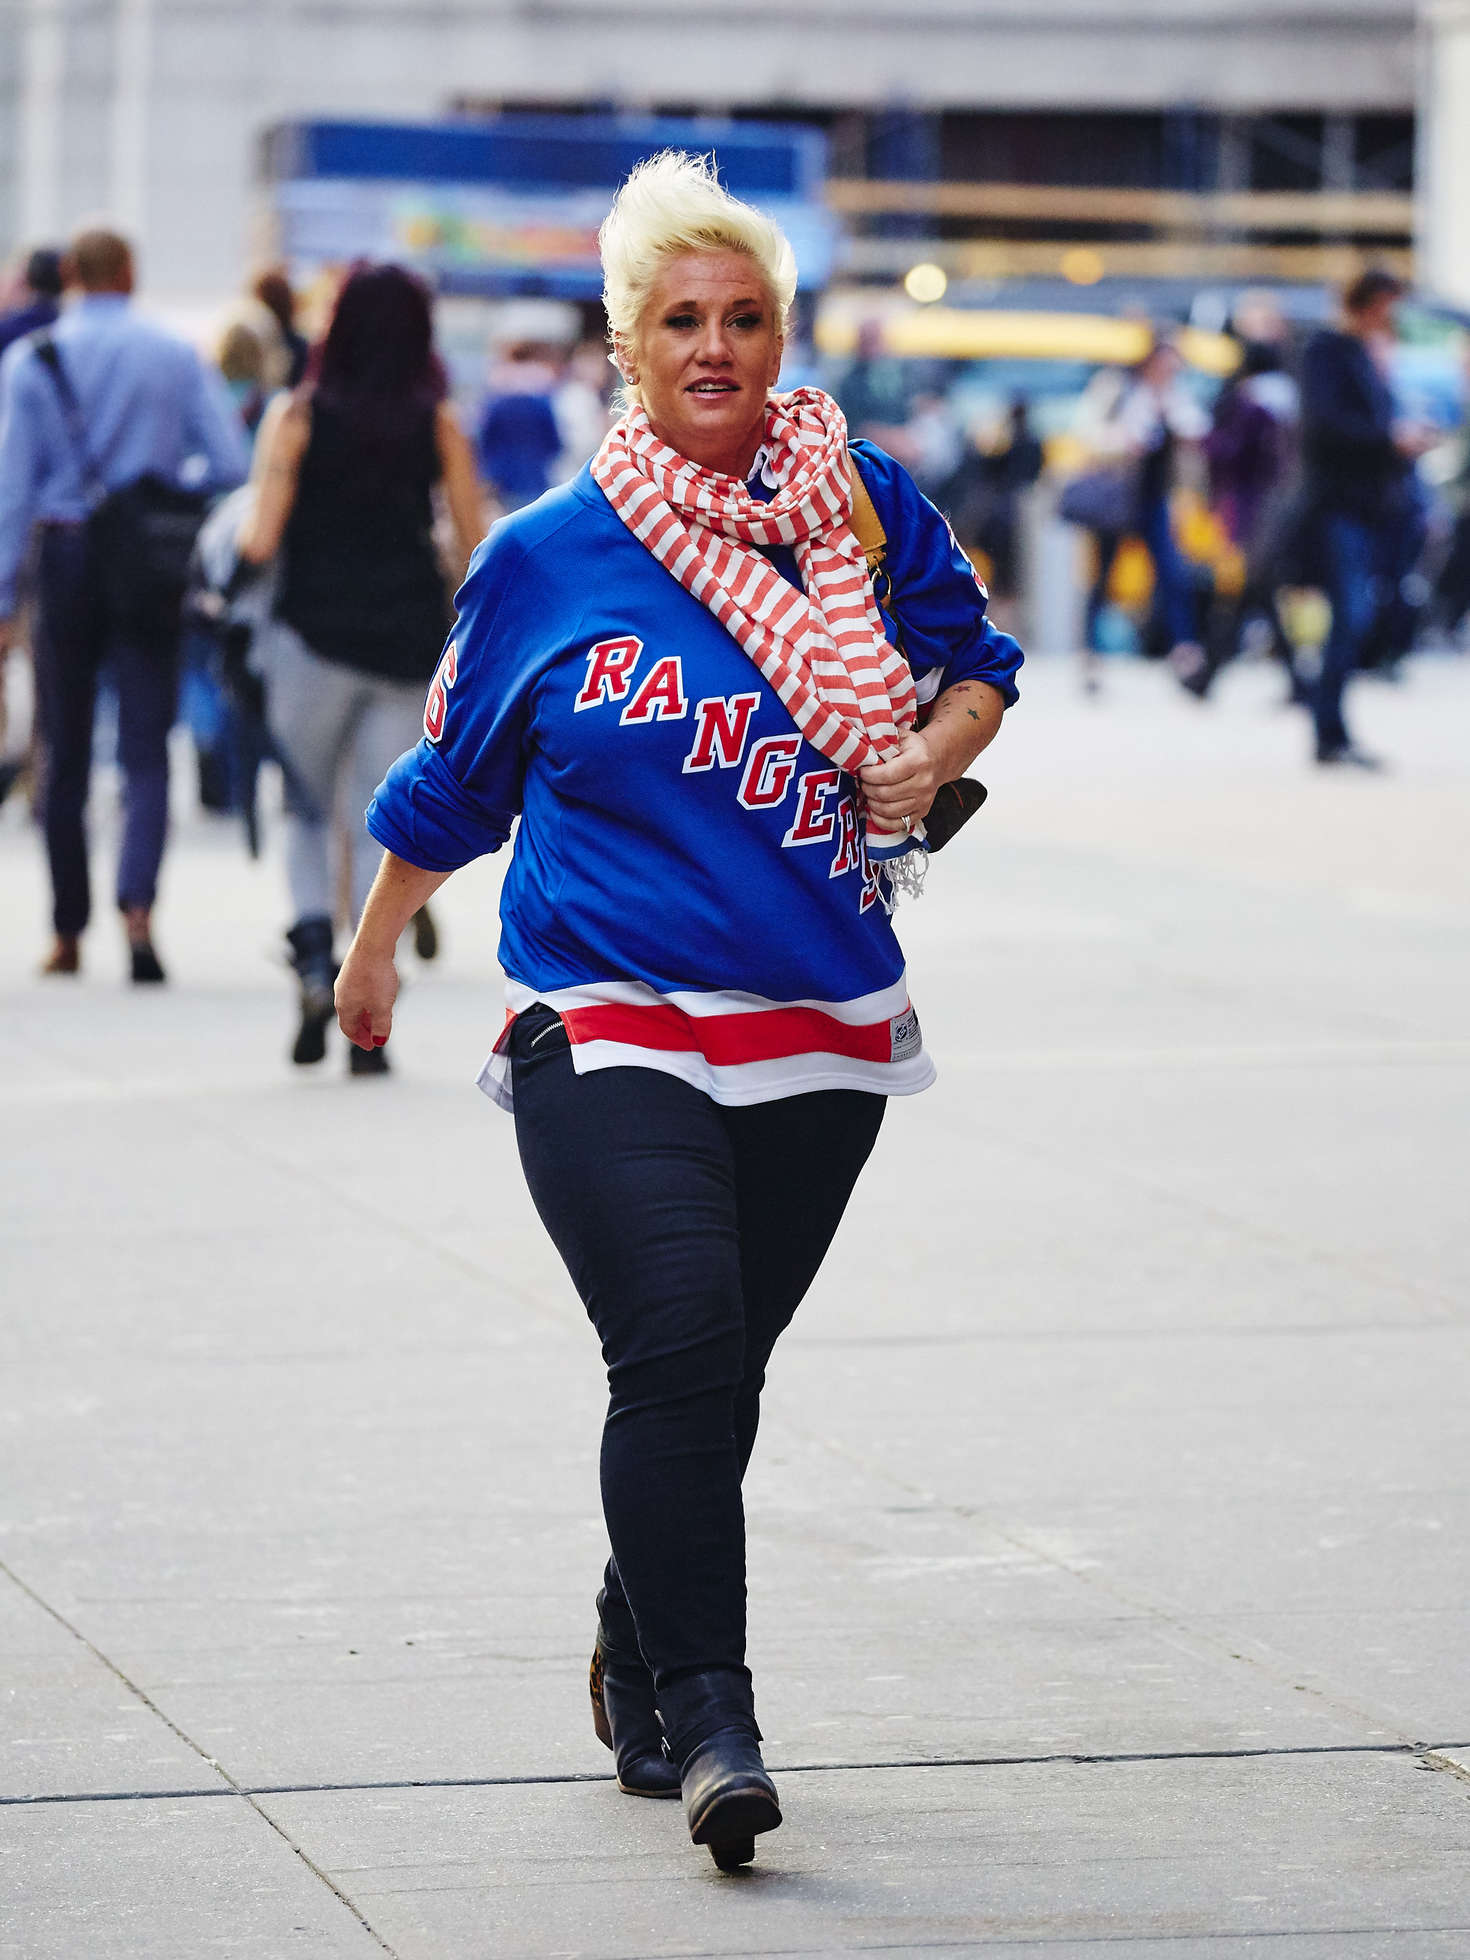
x,y
1444,163
152,108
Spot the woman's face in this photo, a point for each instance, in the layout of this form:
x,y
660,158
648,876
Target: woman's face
x,y
706,357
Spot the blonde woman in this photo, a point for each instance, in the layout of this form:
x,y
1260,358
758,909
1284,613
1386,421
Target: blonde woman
x,y
675,672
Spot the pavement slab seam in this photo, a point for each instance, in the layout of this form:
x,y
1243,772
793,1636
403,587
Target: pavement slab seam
x,y
1429,1757
232,1788
1068,1941
1439,1759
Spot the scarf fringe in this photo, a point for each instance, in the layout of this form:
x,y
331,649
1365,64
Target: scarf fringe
x,y
904,875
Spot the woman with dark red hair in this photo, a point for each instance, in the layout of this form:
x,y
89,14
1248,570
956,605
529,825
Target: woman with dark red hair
x,y
347,471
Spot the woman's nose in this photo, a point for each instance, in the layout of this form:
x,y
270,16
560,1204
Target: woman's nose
x,y
714,346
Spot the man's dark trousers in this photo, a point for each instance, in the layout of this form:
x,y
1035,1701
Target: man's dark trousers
x,y
75,640
1353,551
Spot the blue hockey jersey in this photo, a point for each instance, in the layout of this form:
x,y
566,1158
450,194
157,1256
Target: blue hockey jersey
x,y
688,887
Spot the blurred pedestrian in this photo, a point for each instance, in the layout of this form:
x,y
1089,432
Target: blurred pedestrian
x,y
675,671
273,290
251,357
97,421
253,360
873,392
346,471
35,301
934,446
985,495
1451,593
1251,451
39,301
1249,444
519,441
1151,418
1359,489
580,405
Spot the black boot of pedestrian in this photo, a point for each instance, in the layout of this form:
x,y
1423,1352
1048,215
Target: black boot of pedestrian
x,y
311,955
728,1797
626,1721
624,1713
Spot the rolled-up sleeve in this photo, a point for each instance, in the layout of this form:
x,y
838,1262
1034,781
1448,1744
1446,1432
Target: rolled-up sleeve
x,y
423,814
935,596
457,795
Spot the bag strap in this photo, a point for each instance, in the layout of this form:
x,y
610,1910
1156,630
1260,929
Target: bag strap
x,y
867,526
956,802
49,355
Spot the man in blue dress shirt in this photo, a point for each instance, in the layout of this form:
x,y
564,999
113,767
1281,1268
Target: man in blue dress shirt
x,y
147,405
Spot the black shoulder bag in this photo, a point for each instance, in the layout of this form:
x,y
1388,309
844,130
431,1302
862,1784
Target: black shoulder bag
x,y
142,534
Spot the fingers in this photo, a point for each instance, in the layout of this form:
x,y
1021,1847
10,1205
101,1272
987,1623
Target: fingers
x,y
896,810
902,768
909,762
895,790
368,1032
364,1000
365,1029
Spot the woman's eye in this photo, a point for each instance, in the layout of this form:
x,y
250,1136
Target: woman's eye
x,y
747,322
681,320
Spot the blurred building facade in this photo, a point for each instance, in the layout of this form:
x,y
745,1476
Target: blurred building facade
x,y
155,110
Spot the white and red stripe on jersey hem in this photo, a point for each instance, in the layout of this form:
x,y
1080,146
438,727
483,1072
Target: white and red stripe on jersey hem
x,y
736,1048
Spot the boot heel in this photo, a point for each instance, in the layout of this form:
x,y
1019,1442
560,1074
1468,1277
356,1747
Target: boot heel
x,y
728,1797
731,1853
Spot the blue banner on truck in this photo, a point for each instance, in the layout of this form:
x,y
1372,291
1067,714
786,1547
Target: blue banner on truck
x,y
513,206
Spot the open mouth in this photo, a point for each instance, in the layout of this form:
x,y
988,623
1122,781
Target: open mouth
x,y
712,388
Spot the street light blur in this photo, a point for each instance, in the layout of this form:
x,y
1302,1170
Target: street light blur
x,y
1082,266
926,283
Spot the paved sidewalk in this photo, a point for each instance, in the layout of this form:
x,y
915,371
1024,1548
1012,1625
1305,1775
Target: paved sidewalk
x,y
1110,1516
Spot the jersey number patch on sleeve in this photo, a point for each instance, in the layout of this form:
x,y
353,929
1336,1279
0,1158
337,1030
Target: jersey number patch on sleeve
x,y
437,705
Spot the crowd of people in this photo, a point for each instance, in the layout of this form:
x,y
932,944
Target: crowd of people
x,y
1311,473
333,502
347,499
1302,464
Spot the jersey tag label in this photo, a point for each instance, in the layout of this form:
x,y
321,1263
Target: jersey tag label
x,y
904,1038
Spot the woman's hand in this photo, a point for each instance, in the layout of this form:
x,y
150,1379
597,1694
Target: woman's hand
x,y
905,785
962,721
367,987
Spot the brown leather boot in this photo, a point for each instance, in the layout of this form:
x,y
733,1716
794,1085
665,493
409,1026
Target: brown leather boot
x,y
65,956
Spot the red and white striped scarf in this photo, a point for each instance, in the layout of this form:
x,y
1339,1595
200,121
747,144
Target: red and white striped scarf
x,y
823,650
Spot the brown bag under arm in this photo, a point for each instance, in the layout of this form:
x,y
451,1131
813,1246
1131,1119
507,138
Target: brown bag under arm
x,y
954,803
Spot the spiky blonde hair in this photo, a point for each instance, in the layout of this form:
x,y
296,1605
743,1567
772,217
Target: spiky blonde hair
x,y
673,203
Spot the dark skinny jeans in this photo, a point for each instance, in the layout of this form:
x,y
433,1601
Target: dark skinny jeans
x,y
691,1232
